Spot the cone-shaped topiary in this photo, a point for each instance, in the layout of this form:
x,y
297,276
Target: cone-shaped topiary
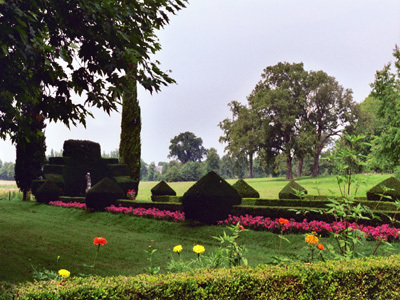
x,y
210,199
103,194
47,192
392,183
162,189
288,191
245,190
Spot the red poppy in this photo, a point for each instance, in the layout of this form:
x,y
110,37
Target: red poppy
x,y
99,241
283,221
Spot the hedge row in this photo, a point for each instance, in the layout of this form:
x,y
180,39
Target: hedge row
x,y
368,278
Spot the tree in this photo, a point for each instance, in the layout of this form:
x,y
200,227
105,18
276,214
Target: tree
x,y
187,147
143,170
386,91
191,171
242,132
329,108
279,99
227,166
173,174
212,162
53,49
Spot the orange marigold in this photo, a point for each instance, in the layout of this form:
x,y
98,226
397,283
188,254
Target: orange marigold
x,y
311,239
283,221
99,241
321,247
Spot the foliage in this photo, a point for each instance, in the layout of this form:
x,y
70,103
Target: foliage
x,y
42,37
210,199
390,187
187,147
48,192
6,170
192,171
212,162
386,93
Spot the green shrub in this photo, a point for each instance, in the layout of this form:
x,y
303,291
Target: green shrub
x,y
36,185
288,191
245,190
367,278
118,170
59,160
210,199
47,192
56,179
162,189
53,169
104,193
82,149
392,183
170,199
110,161
126,183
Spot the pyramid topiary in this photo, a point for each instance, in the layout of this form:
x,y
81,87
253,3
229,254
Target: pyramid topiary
x,y
392,183
162,189
288,191
210,199
103,194
245,190
47,192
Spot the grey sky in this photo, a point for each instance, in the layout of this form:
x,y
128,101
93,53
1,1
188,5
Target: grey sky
x,y
217,50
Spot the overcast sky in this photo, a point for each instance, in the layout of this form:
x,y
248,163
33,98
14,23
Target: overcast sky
x,y
217,50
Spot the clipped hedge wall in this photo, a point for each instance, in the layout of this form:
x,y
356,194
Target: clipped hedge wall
x,y
368,278
245,190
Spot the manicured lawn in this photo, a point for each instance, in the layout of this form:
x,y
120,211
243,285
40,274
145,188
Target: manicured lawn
x,y
33,235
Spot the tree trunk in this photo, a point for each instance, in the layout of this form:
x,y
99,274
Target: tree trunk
x,y
130,145
315,170
289,174
299,170
251,165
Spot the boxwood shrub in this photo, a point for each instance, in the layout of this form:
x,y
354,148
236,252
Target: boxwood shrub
x,y
365,278
391,182
104,193
47,192
245,190
162,189
210,199
288,191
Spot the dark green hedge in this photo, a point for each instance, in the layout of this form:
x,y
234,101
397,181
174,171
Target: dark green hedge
x,y
288,193
393,183
245,190
162,189
53,169
170,199
368,278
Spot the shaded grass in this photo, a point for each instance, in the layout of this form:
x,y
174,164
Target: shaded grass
x,y
33,235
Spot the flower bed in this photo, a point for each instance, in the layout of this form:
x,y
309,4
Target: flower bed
x,y
255,223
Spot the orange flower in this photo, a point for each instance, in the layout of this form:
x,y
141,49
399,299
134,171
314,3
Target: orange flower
x,y
99,241
283,221
321,247
311,239
240,227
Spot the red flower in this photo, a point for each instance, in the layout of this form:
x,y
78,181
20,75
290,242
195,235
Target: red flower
x,y
321,247
99,241
283,221
240,227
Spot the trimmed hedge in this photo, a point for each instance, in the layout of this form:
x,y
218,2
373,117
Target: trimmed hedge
x,y
210,199
170,199
47,192
126,183
162,189
245,190
104,193
393,183
53,169
288,193
367,278
58,160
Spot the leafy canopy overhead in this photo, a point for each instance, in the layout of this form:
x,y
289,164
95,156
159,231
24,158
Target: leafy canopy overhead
x,y
51,49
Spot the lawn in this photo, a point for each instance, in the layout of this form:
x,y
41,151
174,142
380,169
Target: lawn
x,y
34,235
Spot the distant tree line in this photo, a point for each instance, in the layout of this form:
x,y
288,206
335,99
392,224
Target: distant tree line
x,y
7,170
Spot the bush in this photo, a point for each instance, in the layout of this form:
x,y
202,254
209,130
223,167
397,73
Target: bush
x,y
162,189
36,184
393,183
47,192
367,278
210,199
245,190
58,160
104,193
118,169
81,149
288,191
126,183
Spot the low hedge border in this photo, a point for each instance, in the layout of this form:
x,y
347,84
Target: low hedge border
x,y
367,278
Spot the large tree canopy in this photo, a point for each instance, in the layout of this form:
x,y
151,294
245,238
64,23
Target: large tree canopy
x,y
51,49
187,147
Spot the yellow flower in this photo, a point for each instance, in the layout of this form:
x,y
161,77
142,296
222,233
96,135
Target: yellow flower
x,y
64,273
311,239
198,249
177,248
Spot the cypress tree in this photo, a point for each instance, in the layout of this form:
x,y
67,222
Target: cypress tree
x,y
130,145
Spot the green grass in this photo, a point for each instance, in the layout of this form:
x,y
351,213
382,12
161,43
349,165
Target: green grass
x,y
33,235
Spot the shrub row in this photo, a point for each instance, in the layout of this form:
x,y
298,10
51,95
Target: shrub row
x,y
368,278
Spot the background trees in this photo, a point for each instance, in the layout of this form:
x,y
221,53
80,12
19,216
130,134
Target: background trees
x,y
187,147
